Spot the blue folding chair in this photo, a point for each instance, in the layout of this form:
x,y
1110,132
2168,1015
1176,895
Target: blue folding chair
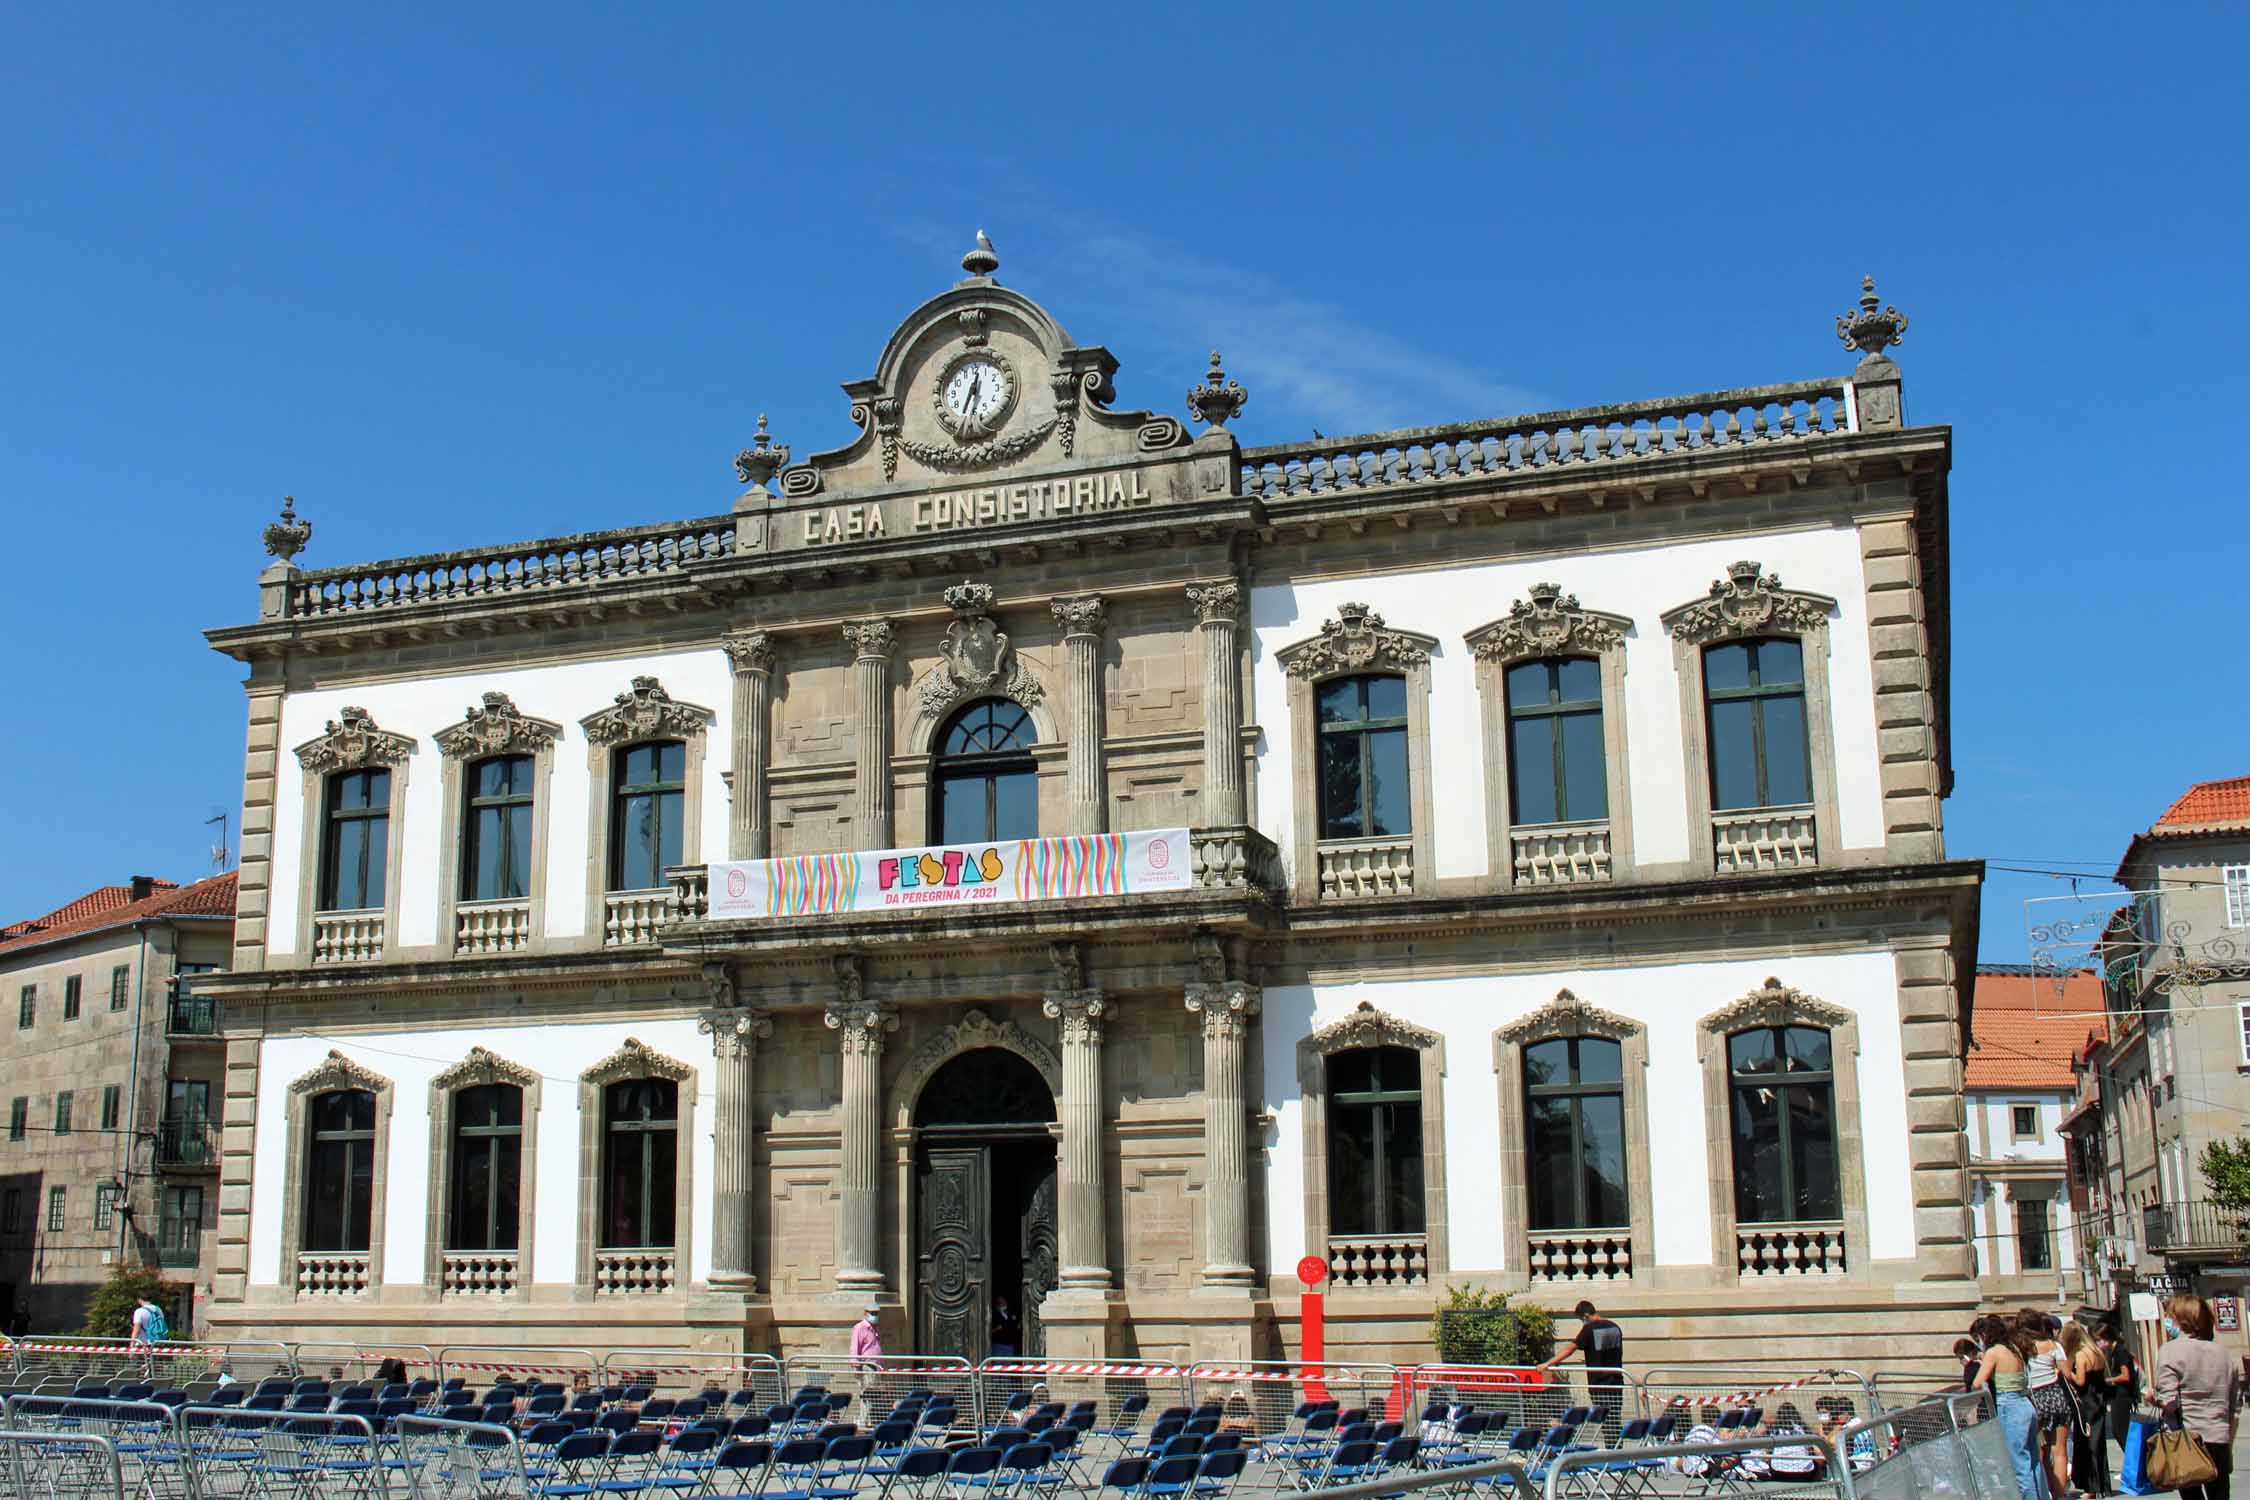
x,y
919,1474
740,1468
633,1462
577,1465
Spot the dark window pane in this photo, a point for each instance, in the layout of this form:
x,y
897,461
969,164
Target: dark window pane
x,y
1341,816
1351,1169
1352,1072
1600,1060
1812,1153
1806,1048
1402,1167
627,1174
1339,701
472,1195
1734,755
1788,773
1546,1062
1015,805
518,882
1780,663
1758,1197
1601,1128
1750,1052
664,1198
507,1188
1586,788
1527,685
961,810
1398,1070
1386,697
1386,752
1531,770
1726,667
1578,680
1548,1157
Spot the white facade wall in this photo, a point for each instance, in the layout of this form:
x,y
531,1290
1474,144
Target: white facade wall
x,y
1997,1161
558,1052
1638,582
420,708
1670,1000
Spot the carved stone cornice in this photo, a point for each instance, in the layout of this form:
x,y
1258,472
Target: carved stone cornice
x,y
1080,615
1547,623
735,1033
749,650
1355,641
482,1067
635,1059
1218,603
972,1031
351,742
1368,1027
336,1071
1226,1007
1775,1004
1077,1014
494,727
859,1026
645,712
1564,1016
871,640
1747,602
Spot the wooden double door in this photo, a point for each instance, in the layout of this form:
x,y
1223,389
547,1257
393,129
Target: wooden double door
x,y
985,1224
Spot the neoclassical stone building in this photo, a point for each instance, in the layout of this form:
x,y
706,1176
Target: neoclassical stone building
x,y
1038,851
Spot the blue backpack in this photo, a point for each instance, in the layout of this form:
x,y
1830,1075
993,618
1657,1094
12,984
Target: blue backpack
x,y
159,1328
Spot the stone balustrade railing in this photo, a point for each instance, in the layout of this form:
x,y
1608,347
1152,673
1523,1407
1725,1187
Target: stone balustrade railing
x,y
1234,859
1580,1254
1625,436
1789,1249
473,1273
482,927
1366,867
524,570
1379,1260
643,1272
1769,838
1567,854
331,1273
691,892
347,937
630,917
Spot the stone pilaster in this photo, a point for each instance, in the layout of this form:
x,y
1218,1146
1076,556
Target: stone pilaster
x,y
253,894
1081,620
872,642
749,836
735,1033
1929,1008
1226,1008
1082,1235
1218,615
859,1025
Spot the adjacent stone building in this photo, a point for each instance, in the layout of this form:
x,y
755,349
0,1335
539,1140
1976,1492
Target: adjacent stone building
x,y
112,1077
1036,851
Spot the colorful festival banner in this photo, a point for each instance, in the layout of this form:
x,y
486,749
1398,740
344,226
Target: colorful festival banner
x,y
1061,868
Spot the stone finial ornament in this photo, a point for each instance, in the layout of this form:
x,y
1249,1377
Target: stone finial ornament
x,y
287,537
763,459
1218,400
981,261
1873,328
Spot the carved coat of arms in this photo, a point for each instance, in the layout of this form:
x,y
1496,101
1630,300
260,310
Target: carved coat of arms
x,y
977,656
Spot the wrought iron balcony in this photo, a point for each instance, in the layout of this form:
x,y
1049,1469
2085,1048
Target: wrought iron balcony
x,y
190,1014
2187,1229
185,1143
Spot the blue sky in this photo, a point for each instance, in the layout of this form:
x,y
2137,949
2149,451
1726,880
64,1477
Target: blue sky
x,y
478,273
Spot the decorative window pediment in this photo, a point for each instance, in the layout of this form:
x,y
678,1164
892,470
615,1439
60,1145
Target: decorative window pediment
x,y
351,742
1748,602
645,712
977,659
337,1071
1564,1016
1356,640
494,727
1775,1004
482,1067
636,1059
1547,623
1368,1027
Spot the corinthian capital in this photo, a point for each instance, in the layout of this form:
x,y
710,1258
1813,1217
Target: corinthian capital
x,y
859,1026
1226,1007
871,639
748,650
734,1034
1079,615
1217,603
1078,1011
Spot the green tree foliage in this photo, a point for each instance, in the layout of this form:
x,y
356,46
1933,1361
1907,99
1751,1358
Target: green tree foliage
x,y
2226,1173
1479,1327
109,1312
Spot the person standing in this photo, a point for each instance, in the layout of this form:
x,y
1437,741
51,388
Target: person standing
x,y
1007,1332
2007,1351
2201,1384
1602,1342
2086,1372
2124,1381
867,1348
2050,1397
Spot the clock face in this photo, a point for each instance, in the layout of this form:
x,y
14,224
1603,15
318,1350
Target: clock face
x,y
977,392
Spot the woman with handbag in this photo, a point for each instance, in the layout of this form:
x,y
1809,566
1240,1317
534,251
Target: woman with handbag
x,y
2198,1386
2001,1370
2087,1372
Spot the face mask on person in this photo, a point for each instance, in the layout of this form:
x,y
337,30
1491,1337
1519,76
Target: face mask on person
x,y
2171,1329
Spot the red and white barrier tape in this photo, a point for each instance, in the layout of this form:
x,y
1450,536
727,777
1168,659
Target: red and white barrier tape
x,y
1142,1372
1739,1397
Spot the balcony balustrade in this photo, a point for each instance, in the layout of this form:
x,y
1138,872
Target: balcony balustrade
x,y
2190,1229
186,1143
1379,1260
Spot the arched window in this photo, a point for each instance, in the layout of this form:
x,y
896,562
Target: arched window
x,y
1574,1108
1362,758
1556,770
1375,1142
1754,696
355,841
987,785
487,1168
1782,1103
640,1162
647,808
496,845
340,1171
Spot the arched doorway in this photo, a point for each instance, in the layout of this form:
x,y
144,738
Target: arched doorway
x,y
984,1203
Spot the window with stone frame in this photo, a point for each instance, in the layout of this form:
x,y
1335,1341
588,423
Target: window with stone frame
x,y
647,811
487,1168
1556,770
1375,1142
1782,1104
2035,1249
1363,779
496,829
498,769
339,1184
640,1163
986,784
1754,706
58,1209
1574,1128
354,791
11,1211
27,1006
105,1205
2236,880
355,847
19,1117
65,1104
113,1099
120,981
71,995
645,803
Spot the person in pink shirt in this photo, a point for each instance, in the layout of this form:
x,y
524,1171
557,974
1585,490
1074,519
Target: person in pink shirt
x,y
867,1348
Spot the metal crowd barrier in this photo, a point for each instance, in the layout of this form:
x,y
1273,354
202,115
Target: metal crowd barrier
x,y
1127,1394
356,1364
1896,1388
1731,1466
1824,1401
1948,1446
477,1364
1514,1396
1259,1396
237,1454
683,1372
140,1434
442,1460
60,1363
59,1466
878,1384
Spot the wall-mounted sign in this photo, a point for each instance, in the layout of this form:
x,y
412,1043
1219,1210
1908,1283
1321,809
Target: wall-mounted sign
x,y
1094,496
2228,1312
1062,868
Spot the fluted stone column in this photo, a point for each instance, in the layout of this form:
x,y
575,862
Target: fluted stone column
x,y
735,1033
1082,1236
1081,619
1226,1008
1218,614
751,651
872,642
859,1025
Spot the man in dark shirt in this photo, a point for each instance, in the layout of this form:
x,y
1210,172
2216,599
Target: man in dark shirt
x,y
1603,1344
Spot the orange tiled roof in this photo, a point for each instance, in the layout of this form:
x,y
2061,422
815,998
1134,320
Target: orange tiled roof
x,y
2206,803
114,906
2028,1026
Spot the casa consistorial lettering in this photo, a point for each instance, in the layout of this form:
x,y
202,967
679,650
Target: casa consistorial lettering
x,y
1060,497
